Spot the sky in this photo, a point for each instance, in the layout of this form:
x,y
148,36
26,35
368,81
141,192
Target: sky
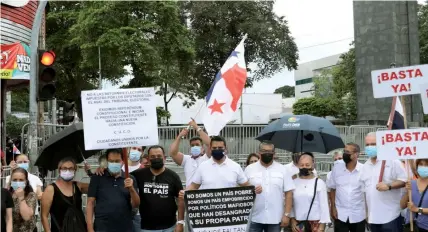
x,y
320,28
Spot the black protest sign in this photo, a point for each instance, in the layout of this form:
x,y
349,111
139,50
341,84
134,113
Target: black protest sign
x,y
210,209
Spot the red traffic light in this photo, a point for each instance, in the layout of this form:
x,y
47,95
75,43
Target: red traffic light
x,y
48,58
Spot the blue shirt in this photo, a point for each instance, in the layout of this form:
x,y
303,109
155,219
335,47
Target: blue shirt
x,y
422,220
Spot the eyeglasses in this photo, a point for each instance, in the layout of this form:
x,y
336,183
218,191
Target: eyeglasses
x,y
67,169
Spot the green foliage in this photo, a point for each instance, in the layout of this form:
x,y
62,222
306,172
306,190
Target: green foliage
x,y
14,125
161,112
286,91
218,26
423,32
20,100
315,106
322,84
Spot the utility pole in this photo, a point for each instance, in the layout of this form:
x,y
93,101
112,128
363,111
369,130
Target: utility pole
x,y
32,132
100,84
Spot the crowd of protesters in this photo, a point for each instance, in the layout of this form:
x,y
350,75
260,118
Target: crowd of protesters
x,y
151,198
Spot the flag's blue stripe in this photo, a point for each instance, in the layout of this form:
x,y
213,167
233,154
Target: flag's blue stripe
x,y
398,121
210,91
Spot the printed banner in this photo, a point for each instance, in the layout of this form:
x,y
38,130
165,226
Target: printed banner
x,y
15,61
119,118
402,144
424,96
399,81
215,210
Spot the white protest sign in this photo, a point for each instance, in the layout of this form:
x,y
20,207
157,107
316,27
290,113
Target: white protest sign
x,y
402,144
398,81
424,96
119,118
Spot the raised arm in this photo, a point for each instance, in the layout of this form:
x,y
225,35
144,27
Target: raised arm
x,y
174,148
205,138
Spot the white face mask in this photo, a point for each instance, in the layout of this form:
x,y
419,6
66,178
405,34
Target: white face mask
x,y
338,162
66,175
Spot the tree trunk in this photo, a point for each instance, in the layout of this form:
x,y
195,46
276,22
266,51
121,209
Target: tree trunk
x,y
165,100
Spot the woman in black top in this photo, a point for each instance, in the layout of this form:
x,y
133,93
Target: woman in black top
x,y
61,195
6,210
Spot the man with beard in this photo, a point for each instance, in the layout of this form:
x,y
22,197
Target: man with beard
x,y
273,186
347,196
158,189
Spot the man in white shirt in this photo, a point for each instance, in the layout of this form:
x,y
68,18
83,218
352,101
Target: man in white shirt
x,y
269,177
292,168
348,206
337,158
197,152
219,171
383,199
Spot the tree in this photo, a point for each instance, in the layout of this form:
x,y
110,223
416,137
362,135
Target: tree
x,y
160,113
218,26
423,32
286,91
315,106
20,100
322,84
14,125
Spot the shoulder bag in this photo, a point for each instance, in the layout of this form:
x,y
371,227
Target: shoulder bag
x,y
306,225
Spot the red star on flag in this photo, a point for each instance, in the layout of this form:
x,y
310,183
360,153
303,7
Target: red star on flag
x,y
216,107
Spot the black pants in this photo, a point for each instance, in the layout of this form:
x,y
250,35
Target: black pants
x,y
340,226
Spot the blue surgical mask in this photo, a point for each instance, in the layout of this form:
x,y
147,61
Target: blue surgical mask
x,y
134,155
423,171
24,166
338,162
195,151
114,167
371,151
17,184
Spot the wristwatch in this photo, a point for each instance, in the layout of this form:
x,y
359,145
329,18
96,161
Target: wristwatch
x,y
287,214
181,222
420,211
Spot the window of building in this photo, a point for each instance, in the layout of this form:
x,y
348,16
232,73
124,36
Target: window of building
x,y
304,81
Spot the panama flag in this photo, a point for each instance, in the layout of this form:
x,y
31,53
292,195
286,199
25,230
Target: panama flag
x,y
397,116
223,97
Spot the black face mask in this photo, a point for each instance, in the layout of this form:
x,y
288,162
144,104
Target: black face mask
x,y
266,157
347,158
156,163
305,171
217,154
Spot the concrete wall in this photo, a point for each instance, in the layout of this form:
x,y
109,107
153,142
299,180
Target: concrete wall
x,y
385,32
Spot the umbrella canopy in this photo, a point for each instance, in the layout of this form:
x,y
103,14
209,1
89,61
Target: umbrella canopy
x,y
66,143
302,133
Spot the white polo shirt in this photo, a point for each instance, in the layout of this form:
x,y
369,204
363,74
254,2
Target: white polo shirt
x,y
190,165
383,207
350,202
211,175
34,182
294,170
269,204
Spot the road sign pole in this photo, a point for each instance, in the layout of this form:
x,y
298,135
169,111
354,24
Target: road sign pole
x,y
32,132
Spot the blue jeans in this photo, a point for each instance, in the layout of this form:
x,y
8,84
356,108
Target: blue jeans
x,y
171,229
137,223
395,225
258,227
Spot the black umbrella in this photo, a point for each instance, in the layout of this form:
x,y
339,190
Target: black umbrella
x,y
302,133
66,143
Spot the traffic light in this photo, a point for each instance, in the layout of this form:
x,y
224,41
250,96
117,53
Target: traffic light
x,y
67,112
46,89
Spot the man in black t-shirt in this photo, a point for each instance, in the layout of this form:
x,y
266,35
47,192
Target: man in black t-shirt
x,y
6,210
158,189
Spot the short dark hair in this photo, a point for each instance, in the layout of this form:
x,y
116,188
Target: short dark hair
x,y
114,150
268,143
155,147
217,139
356,147
145,156
196,138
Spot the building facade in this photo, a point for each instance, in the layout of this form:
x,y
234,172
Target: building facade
x,y
306,72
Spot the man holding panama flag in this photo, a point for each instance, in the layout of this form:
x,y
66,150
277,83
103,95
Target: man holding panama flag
x,y
224,94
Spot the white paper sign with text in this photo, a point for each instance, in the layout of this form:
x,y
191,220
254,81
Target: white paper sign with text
x,y
424,96
399,81
402,144
119,118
